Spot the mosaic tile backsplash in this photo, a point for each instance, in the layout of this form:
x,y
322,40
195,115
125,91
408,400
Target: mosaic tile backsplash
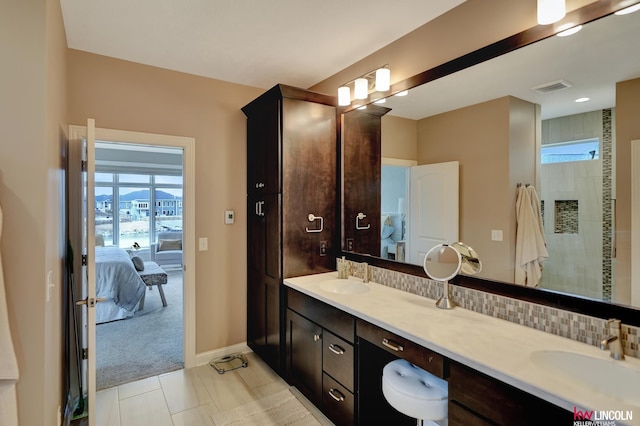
x,y
583,328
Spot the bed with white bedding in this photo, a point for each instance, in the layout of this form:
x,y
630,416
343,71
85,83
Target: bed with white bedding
x,y
118,282
390,234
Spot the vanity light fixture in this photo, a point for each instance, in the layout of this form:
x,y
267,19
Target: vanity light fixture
x,y
550,11
628,10
569,31
378,80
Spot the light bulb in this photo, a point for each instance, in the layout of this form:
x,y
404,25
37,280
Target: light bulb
x,y
550,11
383,79
361,88
344,96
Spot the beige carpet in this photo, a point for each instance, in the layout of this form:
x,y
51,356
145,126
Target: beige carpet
x,y
282,408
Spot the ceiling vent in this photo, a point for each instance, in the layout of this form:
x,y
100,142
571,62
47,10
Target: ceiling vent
x,y
553,86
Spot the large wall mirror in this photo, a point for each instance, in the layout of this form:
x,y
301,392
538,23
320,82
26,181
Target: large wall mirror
x,y
509,122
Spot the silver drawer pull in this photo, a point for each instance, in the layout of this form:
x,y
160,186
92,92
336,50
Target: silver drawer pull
x,y
316,337
335,394
392,345
336,349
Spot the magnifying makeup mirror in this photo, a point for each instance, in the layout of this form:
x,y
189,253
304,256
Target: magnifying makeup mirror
x,y
445,261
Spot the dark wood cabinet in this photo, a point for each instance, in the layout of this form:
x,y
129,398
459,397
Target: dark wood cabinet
x,y
337,360
304,356
475,398
320,355
361,178
291,174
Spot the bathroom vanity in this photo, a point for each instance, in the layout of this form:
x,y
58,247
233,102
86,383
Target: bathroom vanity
x,y
338,343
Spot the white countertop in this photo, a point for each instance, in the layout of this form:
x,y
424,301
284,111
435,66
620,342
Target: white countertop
x,y
496,347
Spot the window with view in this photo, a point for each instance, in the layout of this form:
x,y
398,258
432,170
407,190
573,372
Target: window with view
x,y
582,150
131,219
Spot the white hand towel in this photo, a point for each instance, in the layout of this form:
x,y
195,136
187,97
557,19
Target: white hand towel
x,y
531,248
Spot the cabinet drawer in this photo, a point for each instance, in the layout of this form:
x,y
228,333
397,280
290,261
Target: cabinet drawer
x,y
330,318
424,358
337,359
337,402
459,416
482,394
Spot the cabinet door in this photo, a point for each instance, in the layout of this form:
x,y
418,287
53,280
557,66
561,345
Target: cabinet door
x,y
263,278
263,149
256,286
308,187
304,356
362,174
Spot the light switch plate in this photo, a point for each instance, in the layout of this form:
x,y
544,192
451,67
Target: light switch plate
x,y
203,244
496,235
229,217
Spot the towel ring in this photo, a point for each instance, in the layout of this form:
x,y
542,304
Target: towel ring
x,y
312,218
359,217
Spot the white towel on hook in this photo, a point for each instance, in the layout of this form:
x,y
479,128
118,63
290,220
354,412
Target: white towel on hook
x,y
531,247
8,361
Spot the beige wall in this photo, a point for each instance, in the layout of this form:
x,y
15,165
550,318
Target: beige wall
x,y
627,129
32,128
127,96
399,138
494,142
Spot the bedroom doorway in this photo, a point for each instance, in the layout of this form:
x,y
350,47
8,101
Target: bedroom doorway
x,y
142,156
139,211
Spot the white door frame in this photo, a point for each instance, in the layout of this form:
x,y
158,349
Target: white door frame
x,y
188,216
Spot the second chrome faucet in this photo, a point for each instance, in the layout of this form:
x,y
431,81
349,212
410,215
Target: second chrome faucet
x,y
614,341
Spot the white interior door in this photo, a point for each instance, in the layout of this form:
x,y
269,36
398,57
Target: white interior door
x,y
83,243
433,208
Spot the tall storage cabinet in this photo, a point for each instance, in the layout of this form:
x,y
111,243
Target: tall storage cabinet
x,y
291,204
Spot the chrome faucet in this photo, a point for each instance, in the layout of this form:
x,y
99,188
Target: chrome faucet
x,y
614,340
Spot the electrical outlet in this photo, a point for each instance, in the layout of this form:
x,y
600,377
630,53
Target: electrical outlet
x,y
349,244
496,235
323,248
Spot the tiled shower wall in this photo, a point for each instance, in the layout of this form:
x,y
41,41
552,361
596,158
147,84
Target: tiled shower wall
x,y
583,328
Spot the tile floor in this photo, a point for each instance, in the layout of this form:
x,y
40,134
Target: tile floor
x,y
188,397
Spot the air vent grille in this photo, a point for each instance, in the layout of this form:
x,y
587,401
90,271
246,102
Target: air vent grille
x,y
553,86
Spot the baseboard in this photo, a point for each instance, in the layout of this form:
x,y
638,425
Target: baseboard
x,y
205,357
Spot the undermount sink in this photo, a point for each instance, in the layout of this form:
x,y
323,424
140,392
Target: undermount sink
x,y
608,376
346,286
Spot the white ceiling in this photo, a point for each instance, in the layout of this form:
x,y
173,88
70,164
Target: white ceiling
x,y
593,60
252,42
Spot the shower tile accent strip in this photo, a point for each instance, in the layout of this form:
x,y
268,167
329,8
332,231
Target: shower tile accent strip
x,y
607,206
583,328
